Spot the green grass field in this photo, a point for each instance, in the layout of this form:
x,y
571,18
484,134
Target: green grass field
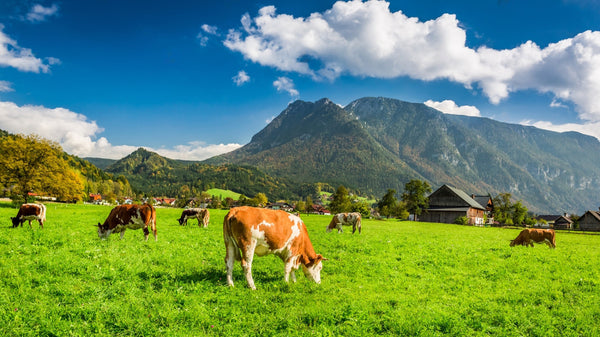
x,y
224,193
396,278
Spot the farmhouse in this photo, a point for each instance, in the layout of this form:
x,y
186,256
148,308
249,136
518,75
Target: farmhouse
x,y
280,205
590,221
555,221
487,202
447,204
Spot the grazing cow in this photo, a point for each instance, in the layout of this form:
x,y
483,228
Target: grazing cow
x,y
528,236
345,219
263,231
129,216
30,212
198,213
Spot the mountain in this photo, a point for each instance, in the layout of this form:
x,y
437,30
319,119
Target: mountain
x,y
374,144
101,163
155,175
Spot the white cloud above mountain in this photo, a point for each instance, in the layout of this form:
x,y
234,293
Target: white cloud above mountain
x,y
450,107
366,39
79,136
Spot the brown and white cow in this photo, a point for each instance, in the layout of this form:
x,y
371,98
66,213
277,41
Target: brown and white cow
x,y
30,212
528,236
264,231
129,217
201,214
345,219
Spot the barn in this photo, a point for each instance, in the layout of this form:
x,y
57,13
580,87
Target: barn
x,y
590,221
447,204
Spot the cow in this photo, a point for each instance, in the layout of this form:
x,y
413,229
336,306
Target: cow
x,y
201,214
30,212
345,219
260,231
129,216
528,236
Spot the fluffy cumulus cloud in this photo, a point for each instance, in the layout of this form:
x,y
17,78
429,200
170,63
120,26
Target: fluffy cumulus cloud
x,y
366,39
78,135
241,78
450,107
284,84
39,13
12,55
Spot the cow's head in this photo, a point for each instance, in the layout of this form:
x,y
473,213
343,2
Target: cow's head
x,y
312,269
103,231
15,221
180,221
512,243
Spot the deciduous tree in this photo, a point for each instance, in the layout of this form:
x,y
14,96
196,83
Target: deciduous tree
x,y
415,196
33,164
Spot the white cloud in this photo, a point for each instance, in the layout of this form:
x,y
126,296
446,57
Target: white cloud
x,y
206,30
450,107
5,86
212,30
287,85
39,13
76,134
241,78
11,55
366,39
590,129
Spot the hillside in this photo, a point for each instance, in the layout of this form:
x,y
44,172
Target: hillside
x,y
154,175
377,143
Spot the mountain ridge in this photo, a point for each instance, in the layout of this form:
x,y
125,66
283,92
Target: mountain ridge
x,y
382,143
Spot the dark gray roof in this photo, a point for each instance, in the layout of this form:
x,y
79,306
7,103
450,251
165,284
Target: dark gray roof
x,y
464,196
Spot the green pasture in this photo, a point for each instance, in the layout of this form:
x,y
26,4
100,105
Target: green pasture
x,y
224,193
396,278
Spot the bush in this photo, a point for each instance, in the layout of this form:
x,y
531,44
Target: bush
x,y
463,220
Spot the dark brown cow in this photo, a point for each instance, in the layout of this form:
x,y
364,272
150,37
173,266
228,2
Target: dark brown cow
x,y
528,236
201,214
264,231
345,219
129,216
30,212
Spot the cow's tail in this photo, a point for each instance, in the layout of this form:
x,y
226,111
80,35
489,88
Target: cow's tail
x,y
229,238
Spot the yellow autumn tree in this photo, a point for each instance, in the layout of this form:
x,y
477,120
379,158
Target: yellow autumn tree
x,y
33,164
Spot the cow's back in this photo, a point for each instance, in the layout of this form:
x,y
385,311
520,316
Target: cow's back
x,y
271,227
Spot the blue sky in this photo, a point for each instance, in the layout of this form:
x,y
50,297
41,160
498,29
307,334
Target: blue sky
x,y
193,79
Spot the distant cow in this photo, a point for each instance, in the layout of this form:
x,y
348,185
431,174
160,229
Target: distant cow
x,y
129,216
345,219
201,214
263,231
528,236
30,212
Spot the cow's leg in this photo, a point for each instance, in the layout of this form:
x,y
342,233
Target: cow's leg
x,y
123,233
146,233
340,229
30,224
230,258
153,226
41,223
247,256
359,228
353,228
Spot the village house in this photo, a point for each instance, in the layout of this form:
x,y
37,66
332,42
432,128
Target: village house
x,y
590,221
447,204
280,205
554,221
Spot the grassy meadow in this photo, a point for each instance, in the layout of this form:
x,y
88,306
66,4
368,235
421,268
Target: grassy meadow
x,y
396,278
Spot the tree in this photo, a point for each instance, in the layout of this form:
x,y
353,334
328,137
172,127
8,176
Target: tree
x,y
341,201
361,207
414,195
33,164
387,203
309,204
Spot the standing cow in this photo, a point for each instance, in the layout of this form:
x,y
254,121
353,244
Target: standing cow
x,y
528,236
201,214
345,219
249,230
129,216
30,212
